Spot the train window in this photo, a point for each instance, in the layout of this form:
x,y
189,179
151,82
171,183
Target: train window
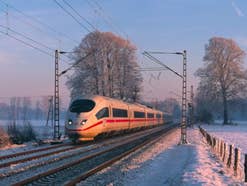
x,y
158,115
82,105
139,114
103,113
150,115
119,113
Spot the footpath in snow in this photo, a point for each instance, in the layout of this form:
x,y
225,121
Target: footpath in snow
x,y
166,163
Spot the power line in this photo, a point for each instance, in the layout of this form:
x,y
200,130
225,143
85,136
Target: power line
x,y
79,15
152,69
102,15
27,23
26,37
109,17
28,44
71,15
160,63
39,22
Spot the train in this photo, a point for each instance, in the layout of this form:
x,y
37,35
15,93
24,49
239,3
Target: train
x,y
100,116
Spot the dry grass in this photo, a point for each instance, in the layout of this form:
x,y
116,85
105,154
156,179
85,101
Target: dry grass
x,y
4,138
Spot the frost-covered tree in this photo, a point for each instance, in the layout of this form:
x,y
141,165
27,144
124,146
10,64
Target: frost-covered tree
x,y
223,77
110,68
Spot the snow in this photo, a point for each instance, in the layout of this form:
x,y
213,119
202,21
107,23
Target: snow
x,y
232,134
167,163
12,149
41,129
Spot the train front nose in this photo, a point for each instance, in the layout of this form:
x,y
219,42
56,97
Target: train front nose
x,y
79,111
74,127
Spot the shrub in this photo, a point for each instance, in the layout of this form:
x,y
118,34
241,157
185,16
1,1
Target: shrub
x,y
28,132
22,133
4,138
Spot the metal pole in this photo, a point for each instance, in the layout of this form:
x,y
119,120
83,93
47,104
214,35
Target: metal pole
x,y
184,104
56,134
184,88
192,106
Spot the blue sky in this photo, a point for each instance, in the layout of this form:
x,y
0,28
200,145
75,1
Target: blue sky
x,y
157,25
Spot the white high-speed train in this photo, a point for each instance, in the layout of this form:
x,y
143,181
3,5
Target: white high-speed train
x,y
99,116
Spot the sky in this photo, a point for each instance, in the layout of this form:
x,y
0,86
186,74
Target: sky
x,y
151,25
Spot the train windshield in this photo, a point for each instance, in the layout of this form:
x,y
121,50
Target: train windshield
x,y
82,105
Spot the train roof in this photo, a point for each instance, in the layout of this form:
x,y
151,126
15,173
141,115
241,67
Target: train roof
x,y
104,98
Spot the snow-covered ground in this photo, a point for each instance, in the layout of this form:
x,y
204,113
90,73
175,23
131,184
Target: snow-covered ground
x,y
232,134
166,163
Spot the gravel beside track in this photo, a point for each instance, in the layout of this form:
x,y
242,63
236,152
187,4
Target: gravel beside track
x,y
17,172
85,161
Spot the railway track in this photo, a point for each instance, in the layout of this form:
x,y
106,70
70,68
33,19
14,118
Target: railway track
x,y
80,168
25,159
30,152
16,167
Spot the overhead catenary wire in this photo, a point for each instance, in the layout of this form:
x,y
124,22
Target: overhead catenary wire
x,y
102,15
110,18
77,13
38,21
77,62
160,63
28,44
152,69
71,15
27,23
26,37
33,41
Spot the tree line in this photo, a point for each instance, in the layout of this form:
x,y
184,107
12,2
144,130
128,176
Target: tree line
x,y
25,108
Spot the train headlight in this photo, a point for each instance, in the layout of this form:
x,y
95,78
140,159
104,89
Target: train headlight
x,y
83,122
70,122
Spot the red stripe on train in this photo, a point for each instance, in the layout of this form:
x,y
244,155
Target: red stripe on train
x,y
111,121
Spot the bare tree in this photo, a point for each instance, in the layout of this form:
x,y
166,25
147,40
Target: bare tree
x,y
45,104
222,77
110,71
18,107
12,110
26,104
38,111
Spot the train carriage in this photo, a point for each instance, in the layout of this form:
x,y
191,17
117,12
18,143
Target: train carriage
x,y
98,115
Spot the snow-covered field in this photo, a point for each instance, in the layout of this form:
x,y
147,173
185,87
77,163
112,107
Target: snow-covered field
x,y
42,130
232,134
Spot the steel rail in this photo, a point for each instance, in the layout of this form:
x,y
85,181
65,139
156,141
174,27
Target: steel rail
x,y
37,156
113,160
30,152
67,167
104,143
